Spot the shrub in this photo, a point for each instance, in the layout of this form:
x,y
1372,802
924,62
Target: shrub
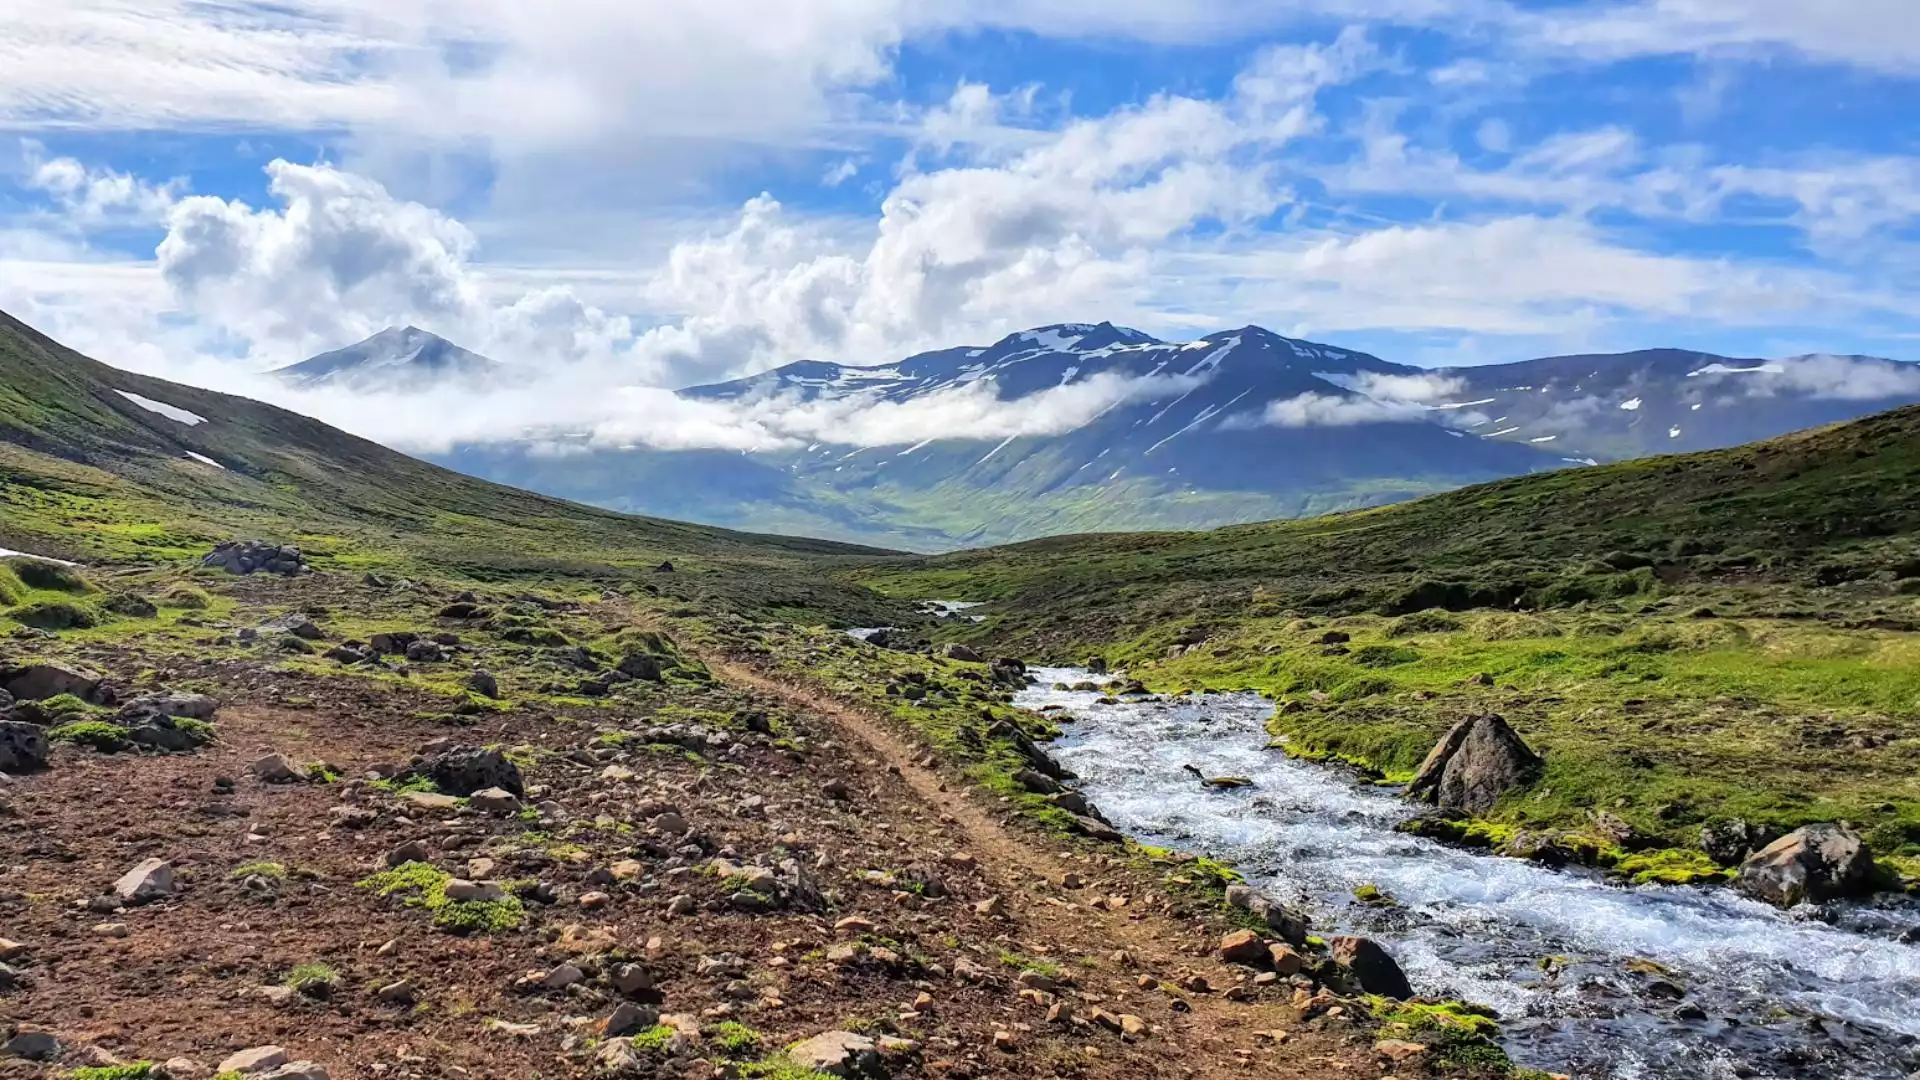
x,y
733,1038
1422,622
132,1070
56,615
98,734
307,977
1384,656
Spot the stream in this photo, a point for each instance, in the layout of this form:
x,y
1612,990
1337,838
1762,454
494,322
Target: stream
x,y
1735,988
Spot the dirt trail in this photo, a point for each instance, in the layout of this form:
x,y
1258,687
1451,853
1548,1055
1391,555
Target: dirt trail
x,y
1216,1038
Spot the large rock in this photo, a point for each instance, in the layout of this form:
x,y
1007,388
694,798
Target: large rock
x,y
837,1053
37,682
465,770
1809,865
1474,764
256,556
953,650
1375,970
154,720
23,747
150,879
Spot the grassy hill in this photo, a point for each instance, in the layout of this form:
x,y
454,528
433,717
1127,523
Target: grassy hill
x,y
90,474
1690,639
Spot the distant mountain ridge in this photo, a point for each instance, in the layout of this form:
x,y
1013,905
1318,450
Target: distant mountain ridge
x,y
395,358
1239,425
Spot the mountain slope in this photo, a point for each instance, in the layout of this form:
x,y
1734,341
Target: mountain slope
x,y
395,358
1184,442
1816,508
105,465
1662,401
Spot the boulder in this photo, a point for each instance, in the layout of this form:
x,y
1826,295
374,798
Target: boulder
x,y
837,1053
465,770
953,650
154,721
23,747
1730,842
257,1060
276,769
1037,782
1809,865
1473,765
132,605
37,682
642,666
484,684
426,652
1372,967
150,879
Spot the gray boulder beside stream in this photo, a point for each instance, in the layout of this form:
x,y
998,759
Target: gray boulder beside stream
x,y
1474,763
1809,865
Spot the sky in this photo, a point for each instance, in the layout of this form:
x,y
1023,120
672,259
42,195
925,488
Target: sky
x,y
640,194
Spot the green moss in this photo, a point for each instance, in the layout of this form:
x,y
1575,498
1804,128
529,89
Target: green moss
x,y
271,870
424,886
306,977
779,1067
132,1070
1458,1035
418,784
1671,866
186,598
49,577
56,615
653,1039
734,1039
96,734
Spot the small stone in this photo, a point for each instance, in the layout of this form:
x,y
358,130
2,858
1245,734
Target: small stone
x,y
991,907
479,868
670,823
257,1060
627,1019
1284,958
179,1068
1132,1025
494,800
411,851
854,924
297,1070
474,891
562,977
682,905
430,800
631,979
594,901
396,993
1398,1050
1242,947
150,879
276,769
112,929
837,1053
11,949
1004,1040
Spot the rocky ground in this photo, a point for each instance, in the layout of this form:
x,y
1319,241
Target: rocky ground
x,y
553,843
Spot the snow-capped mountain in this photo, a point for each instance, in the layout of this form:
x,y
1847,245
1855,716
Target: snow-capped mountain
x,y
395,358
1663,401
1098,427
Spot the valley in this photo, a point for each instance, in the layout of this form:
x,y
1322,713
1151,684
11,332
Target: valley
x,y
457,779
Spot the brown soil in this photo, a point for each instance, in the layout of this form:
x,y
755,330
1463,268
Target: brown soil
x,y
194,974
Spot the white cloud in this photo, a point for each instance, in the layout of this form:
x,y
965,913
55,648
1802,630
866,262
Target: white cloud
x,y
1330,410
92,197
1828,377
1875,34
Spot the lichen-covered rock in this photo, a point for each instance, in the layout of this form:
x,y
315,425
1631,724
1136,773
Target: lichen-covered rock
x,y
1473,765
1809,865
838,1053
39,681
1730,842
23,747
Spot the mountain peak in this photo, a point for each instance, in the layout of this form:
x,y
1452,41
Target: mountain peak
x,y
397,356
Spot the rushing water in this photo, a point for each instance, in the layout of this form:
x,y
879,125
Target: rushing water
x,y
1741,990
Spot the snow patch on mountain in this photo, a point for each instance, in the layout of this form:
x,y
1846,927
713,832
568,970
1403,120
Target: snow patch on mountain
x,y
161,408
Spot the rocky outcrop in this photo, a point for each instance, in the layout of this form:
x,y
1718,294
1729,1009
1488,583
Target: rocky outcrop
x,y
953,650
257,557
1473,765
1809,865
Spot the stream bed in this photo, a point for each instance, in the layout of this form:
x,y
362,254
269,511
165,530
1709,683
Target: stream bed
x,y
1734,988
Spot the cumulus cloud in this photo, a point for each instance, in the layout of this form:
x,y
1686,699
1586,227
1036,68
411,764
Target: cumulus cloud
x,y
1376,398
91,197
1823,376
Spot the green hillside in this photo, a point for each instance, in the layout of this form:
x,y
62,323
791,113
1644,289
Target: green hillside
x,y
1689,639
89,474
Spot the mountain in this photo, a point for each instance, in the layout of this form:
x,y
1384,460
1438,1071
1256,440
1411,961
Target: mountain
x,y
394,358
158,470
1188,444
1661,401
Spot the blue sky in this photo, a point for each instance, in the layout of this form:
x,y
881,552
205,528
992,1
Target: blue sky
x,y
657,194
